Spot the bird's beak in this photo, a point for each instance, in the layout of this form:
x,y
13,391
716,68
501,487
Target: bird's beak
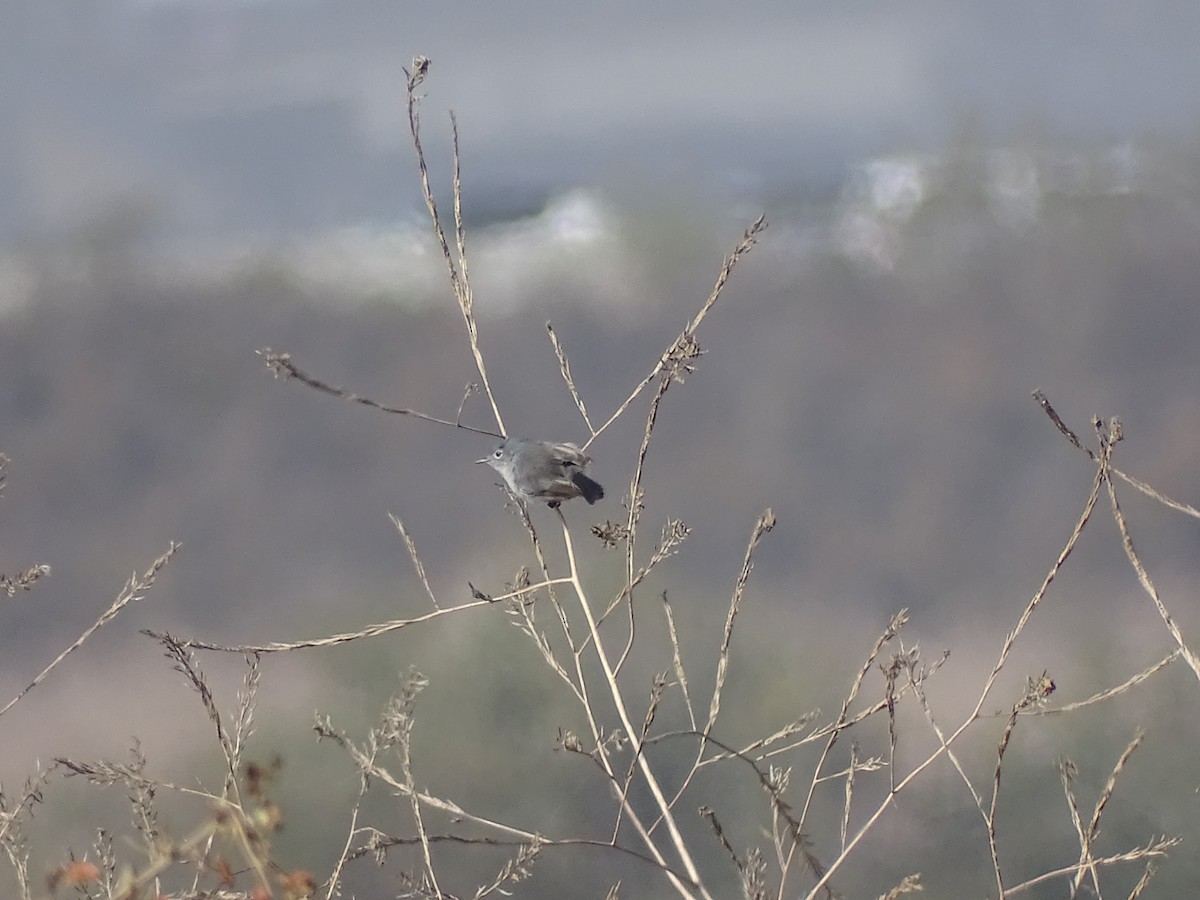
x,y
484,460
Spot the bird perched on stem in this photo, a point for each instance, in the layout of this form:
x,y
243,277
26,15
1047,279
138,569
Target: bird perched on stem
x,y
541,470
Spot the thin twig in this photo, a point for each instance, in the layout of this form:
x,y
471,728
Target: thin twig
x,y
631,524
133,591
346,637
667,360
1148,586
470,389
1086,860
282,366
187,665
1036,692
677,660
381,841
456,270
1142,486
416,559
1154,848
1108,693
565,368
764,524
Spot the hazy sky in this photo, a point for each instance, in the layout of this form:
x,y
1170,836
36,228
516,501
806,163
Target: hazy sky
x,y
288,114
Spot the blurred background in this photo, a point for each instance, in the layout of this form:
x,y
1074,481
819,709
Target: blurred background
x,y
967,201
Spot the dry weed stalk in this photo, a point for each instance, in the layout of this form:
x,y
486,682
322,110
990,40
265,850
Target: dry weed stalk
x,y
134,590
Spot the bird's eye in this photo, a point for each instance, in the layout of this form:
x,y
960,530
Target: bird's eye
x,y
497,453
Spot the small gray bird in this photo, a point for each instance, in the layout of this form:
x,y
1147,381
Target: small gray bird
x,y
543,471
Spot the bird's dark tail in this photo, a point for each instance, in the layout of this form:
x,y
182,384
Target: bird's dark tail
x,y
591,490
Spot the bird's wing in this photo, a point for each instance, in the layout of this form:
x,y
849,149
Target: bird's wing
x,y
569,455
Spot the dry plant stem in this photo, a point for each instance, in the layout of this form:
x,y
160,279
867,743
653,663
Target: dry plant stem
x,y
470,389
416,559
1067,772
106,773
990,818
815,735
565,368
1036,691
578,686
242,728
388,840
660,684
1103,460
919,690
186,664
460,233
845,825
1153,849
243,725
674,533
1005,650
524,609
1143,882
1109,692
133,591
282,366
677,661
368,766
619,702
512,870
1129,479
834,732
631,523
346,637
1147,585
333,884
764,524
749,239
229,817
759,743
563,621
405,750
727,753
31,794
910,884
457,270
1087,837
